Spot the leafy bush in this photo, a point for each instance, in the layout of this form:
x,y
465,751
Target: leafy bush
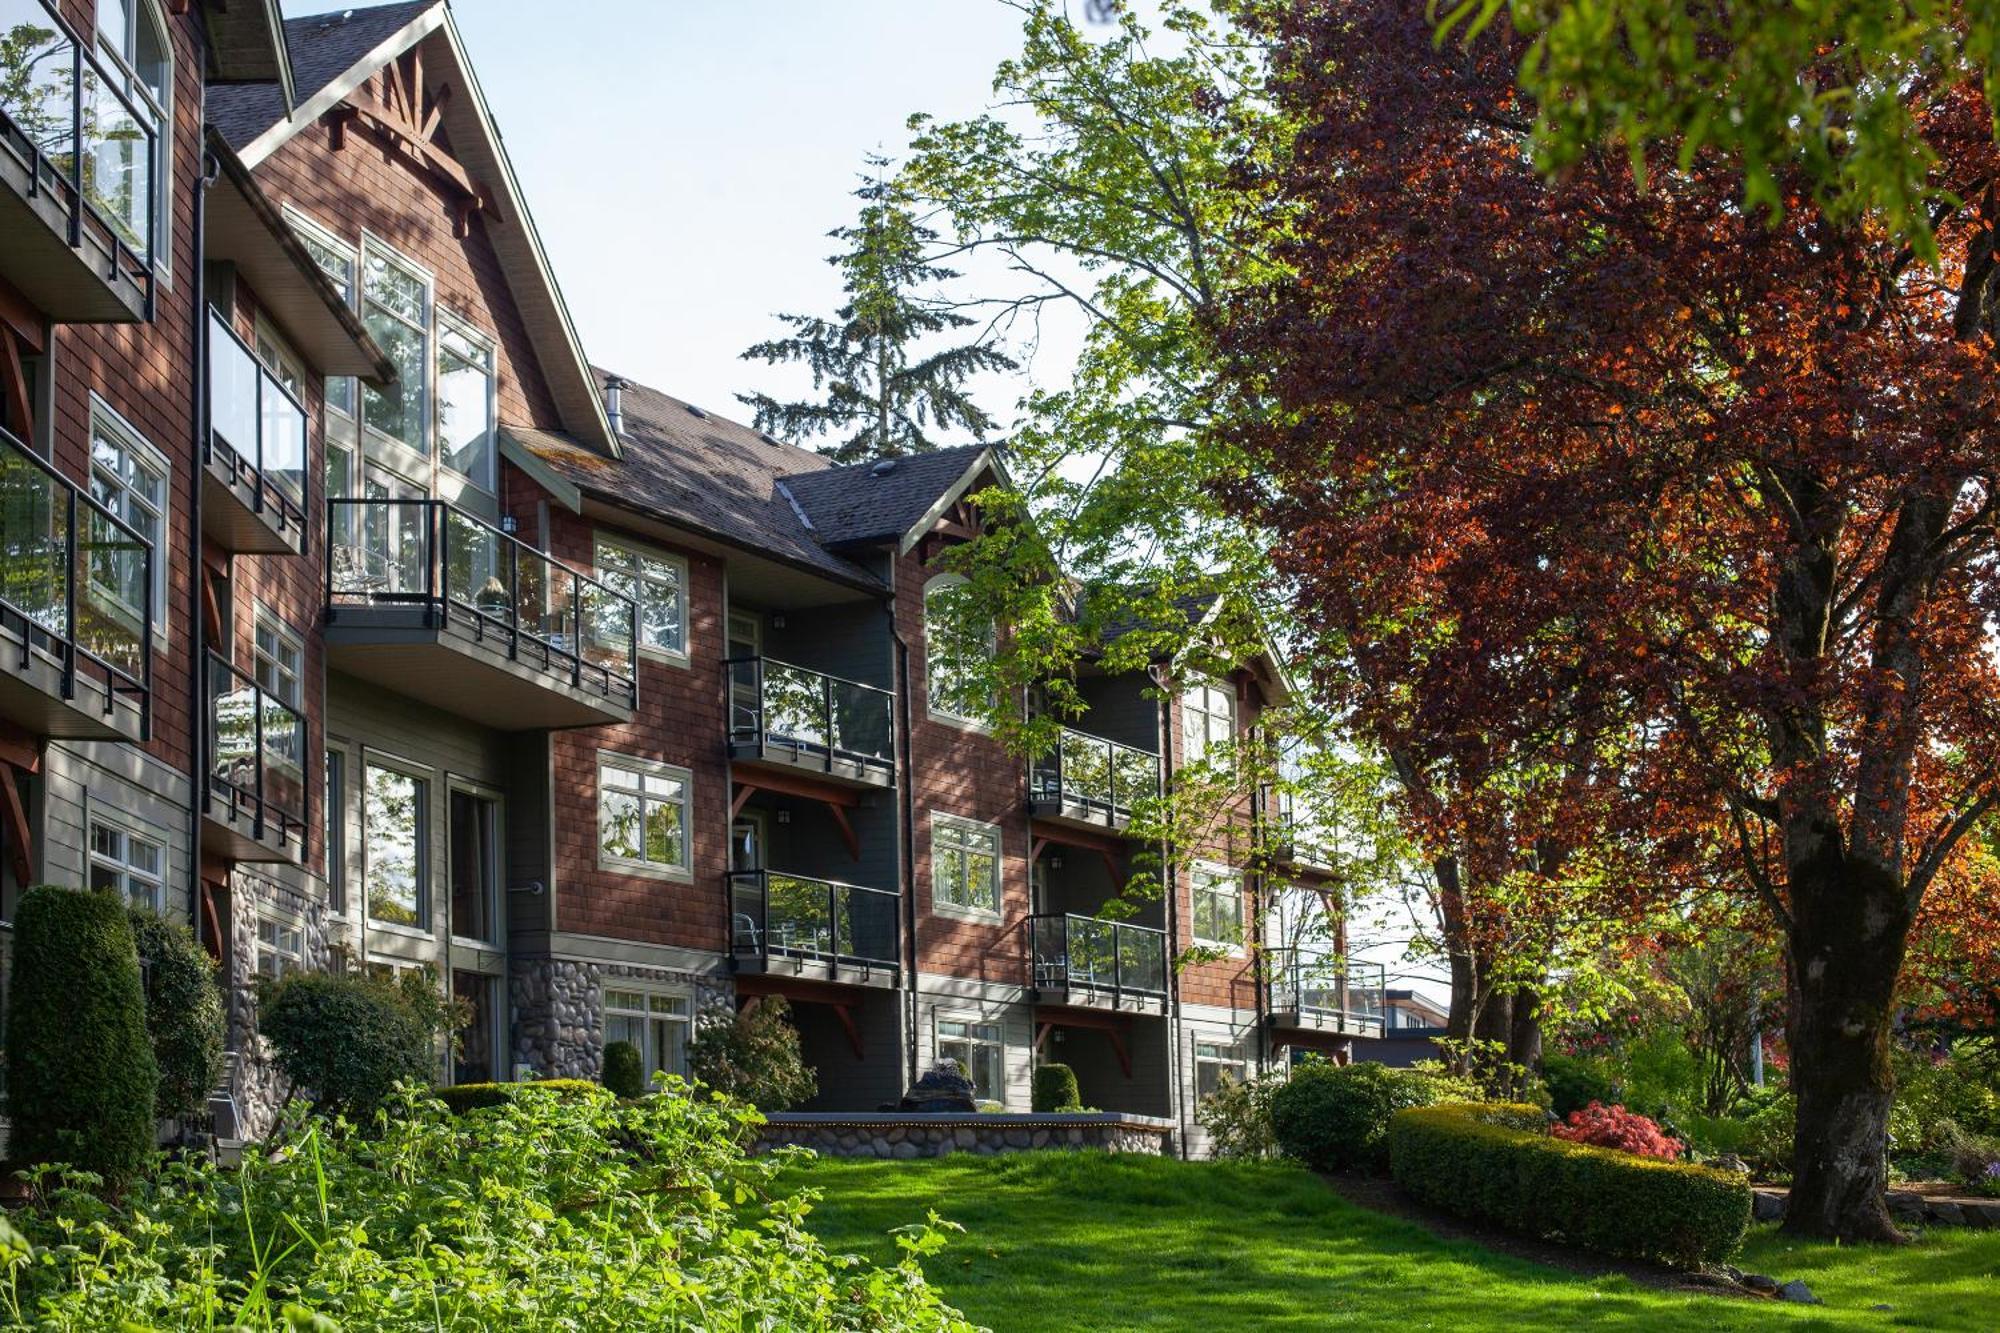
x,y
1661,1075
462,1097
755,1055
347,1039
184,1017
546,1212
80,1070
1336,1117
624,1069
1055,1089
1237,1116
1575,1081
1620,1130
1484,1166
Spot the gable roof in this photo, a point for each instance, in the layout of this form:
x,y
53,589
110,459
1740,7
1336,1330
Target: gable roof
x,y
332,56
885,501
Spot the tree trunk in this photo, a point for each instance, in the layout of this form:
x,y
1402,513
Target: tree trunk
x,y
1850,924
1524,1042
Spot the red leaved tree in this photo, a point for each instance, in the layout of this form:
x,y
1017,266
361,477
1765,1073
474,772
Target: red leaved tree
x,y
1592,458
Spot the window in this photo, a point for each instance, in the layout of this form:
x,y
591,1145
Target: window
x,y
465,403
1208,719
280,947
1214,1063
656,1023
475,865
396,307
956,649
979,1048
128,863
473,1060
336,830
335,259
132,41
129,477
965,864
1217,896
658,584
642,816
394,879
280,659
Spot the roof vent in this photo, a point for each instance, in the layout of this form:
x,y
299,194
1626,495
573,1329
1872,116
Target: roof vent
x,y
614,402
694,411
883,468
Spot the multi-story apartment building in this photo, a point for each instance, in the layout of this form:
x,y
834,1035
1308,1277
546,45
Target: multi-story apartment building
x,y
350,613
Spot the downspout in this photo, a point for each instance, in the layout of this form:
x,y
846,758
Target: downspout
x,y
906,845
1169,877
197,620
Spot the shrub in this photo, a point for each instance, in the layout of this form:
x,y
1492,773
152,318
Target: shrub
x,y
1237,1117
80,1070
1470,1161
1575,1081
184,1017
346,1040
545,1212
754,1055
624,1071
462,1097
1336,1117
1055,1089
1620,1130
1662,1075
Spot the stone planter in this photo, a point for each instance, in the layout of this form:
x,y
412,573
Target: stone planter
x,y
905,1135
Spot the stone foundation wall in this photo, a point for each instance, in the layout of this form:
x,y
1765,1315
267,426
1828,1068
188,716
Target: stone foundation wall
x,y
558,1007
900,1136
258,1088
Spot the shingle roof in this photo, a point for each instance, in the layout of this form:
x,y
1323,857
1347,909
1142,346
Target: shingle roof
x,y
1189,610
323,47
878,502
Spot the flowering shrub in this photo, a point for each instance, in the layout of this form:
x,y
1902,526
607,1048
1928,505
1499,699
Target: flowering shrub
x,y
1615,1127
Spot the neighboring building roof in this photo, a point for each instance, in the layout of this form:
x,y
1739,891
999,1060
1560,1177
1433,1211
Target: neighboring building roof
x,y
866,503
1193,609
323,47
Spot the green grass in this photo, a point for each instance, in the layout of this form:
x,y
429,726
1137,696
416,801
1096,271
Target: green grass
x,y
1091,1242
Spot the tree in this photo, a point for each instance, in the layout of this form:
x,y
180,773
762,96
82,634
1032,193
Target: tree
x,y
882,393
1608,455
184,1014
753,1054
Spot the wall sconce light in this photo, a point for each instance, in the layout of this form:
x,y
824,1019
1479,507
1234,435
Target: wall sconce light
x,y
777,622
1055,863
784,816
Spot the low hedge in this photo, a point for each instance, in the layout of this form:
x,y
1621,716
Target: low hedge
x,y
1055,1089
1485,1163
462,1097
1336,1117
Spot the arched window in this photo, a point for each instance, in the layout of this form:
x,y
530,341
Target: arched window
x,y
957,647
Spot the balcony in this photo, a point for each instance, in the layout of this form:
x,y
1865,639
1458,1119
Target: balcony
x,y
426,600
1089,962
794,925
78,167
76,608
254,459
1089,782
254,790
1320,994
797,718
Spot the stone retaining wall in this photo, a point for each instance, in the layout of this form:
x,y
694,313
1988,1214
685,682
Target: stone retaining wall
x,y
905,1136
1904,1206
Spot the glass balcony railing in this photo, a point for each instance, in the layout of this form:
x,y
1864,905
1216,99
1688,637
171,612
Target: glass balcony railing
x,y
1351,994
775,915
773,703
1101,775
1089,953
256,755
536,609
256,428
76,581
65,114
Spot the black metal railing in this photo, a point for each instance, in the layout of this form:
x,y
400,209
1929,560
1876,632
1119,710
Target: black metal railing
x,y
257,752
68,120
76,581
1351,993
463,570
818,716
256,427
776,915
1070,952
1094,772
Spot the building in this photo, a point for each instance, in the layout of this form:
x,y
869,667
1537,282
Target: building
x,y
352,614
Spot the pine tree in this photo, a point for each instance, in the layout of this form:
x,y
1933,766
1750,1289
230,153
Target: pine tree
x,y
880,393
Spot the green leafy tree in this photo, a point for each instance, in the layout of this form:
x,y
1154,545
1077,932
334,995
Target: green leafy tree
x,y
882,388
754,1054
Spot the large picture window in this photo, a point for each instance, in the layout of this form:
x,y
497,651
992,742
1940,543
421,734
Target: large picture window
x,y
965,865
658,1024
133,43
465,403
957,648
396,307
977,1046
395,867
1217,904
657,584
642,816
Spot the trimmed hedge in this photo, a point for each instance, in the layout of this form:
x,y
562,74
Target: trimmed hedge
x,y
462,1097
184,1015
346,1039
1055,1089
624,1071
1487,1164
80,1070
1336,1117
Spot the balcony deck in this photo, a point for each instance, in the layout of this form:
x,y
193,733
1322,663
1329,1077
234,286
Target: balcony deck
x,y
255,456
1087,963
815,930
1091,783
254,791
796,720
1307,995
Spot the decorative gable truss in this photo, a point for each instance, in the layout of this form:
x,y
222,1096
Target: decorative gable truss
x,y
400,111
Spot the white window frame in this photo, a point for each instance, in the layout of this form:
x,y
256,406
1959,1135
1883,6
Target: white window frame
x,y
425,448
342,426
609,542
1229,1057
106,420
618,988
288,960
129,873
264,619
443,320
938,712
630,767
426,781
1211,871
960,831
120,59
1196,688
973,1024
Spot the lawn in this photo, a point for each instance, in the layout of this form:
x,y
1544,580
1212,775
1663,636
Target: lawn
x,y
1092,1242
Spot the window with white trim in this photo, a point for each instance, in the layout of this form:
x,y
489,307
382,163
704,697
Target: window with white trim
x,y
956,650
657,584
1216,902
643,815
280,947
1216,1063
979,1048
396,307
657,1022
965,864
280,659
395,875
133,480
132,42
1208,719
337,259
127,863
465,402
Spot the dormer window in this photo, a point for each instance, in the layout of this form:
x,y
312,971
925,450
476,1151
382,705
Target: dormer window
x,y
1208,719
